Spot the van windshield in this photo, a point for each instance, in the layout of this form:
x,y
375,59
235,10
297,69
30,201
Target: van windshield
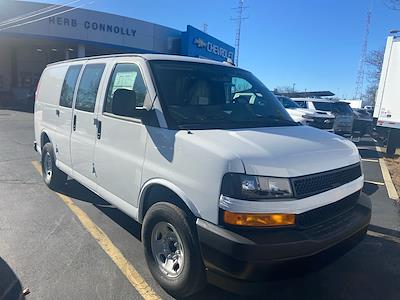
x,y
207,96
340,108
287,102
343,108
324,106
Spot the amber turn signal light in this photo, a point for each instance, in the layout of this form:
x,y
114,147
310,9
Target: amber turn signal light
x,y
258,220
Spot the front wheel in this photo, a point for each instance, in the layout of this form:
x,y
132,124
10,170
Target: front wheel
x,y
52,176
172,251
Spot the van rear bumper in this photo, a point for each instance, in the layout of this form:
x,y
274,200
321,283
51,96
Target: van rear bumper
x,y
248,254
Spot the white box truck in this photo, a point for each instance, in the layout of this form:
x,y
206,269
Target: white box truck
x,y
387,106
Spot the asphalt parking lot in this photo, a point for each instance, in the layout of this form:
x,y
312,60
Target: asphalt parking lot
x,y
45,247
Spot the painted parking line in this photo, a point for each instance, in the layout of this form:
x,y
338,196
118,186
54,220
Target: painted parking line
x,y
379,149
374,182
366,148
384,236
391,190
369,160
107,245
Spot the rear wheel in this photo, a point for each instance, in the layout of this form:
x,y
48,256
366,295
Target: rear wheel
x,y
172,251
52,176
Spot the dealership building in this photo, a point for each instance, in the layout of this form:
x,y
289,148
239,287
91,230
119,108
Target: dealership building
x,y
33,35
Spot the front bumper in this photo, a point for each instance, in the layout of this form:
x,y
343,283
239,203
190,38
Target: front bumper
x,y
343,129
248,254
322,123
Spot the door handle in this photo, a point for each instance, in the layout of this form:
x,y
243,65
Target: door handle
x,y
57,112
98,129
74,123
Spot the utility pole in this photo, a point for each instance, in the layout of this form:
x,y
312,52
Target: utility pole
x,y
205,27
239,19
358,94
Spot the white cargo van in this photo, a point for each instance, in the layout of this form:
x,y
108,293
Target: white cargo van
x,y
308,117
342,111
223,187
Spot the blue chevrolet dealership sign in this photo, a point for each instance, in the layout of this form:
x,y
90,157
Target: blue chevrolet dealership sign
x,y
197,43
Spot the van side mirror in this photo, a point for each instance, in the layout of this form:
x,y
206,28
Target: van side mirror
x,y
149,118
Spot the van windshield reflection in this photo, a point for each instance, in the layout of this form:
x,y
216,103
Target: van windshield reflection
x,y
211,96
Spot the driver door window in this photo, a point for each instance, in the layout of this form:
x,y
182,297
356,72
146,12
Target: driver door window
x,y
126,92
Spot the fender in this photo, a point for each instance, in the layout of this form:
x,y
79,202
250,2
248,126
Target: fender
x,y
169,185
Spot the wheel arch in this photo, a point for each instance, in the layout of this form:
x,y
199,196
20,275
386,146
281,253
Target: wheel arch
x,y
44,138
154,188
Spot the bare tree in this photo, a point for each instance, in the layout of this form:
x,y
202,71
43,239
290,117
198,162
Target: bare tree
x,y
392,4
374,62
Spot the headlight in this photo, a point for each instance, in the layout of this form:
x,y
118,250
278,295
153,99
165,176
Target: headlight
x,y
249,187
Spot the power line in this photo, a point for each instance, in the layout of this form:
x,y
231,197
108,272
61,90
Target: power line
x,y
49,16
239,19
358,94
36,13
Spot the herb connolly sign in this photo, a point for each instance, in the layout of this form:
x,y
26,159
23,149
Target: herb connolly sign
x,y
91,25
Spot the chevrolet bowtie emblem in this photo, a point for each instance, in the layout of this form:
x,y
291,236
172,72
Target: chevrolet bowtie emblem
x,y
199,43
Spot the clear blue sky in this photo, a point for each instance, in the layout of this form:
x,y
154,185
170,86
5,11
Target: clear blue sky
x,y
315,44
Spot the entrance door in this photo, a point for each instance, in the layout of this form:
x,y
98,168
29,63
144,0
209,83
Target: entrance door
x,y
121,140
83,136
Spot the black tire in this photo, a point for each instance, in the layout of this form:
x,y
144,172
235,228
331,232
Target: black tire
x,y
192,278
54,179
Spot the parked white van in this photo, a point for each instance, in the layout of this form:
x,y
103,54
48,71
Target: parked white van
x,y
342,111
308,117
223,188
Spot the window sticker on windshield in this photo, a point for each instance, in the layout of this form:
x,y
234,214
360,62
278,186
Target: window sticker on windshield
x,y
124,80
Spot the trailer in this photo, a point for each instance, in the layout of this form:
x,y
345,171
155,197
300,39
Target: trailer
x,y
387,105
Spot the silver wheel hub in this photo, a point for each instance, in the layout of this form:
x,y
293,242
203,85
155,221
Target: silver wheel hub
x,y
167,249
48,166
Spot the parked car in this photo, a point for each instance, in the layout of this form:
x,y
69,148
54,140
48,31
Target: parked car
x,y
363,122
341,110
305,116
223,187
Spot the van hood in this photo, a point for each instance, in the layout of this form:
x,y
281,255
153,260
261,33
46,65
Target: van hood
x,y
309,112
280,151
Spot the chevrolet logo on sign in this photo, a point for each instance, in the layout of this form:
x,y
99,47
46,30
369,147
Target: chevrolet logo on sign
x,y
199,43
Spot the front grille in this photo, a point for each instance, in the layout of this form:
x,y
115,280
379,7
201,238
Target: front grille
x,y
305,186
322,123
327,212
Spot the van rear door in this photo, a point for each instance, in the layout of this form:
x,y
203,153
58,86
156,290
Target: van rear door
x,y
83,136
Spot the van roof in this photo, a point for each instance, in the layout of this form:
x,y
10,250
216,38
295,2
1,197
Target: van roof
x,y
314,100
149,57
